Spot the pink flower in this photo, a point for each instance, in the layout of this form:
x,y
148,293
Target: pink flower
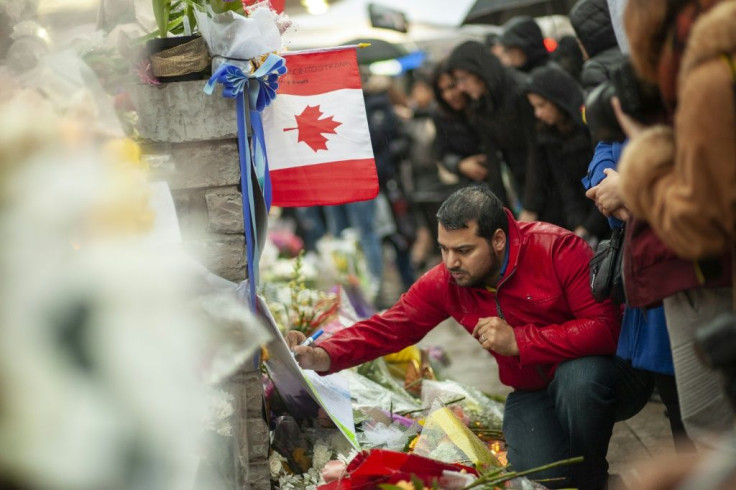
x,y
145,73
334,470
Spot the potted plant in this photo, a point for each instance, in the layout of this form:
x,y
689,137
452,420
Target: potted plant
x,y
180,57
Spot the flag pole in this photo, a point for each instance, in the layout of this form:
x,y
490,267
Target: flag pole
x,y
327,50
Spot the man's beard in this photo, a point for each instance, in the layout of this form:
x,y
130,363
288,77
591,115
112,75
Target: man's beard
x,y
470,281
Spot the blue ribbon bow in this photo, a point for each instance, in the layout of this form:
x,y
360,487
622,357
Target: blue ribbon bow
x,y
235,84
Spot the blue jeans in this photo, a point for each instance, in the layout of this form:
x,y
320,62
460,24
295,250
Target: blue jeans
x,y
312,225
574,416
359,215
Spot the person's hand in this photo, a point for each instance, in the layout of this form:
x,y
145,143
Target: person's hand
x,y
495,334
526,215
631,126
473,167
294,338
315,358
621,213
607,194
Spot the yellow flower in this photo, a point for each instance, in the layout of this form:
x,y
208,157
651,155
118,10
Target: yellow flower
x,y
125,151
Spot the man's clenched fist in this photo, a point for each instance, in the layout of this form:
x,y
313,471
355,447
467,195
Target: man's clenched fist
x,y
495,334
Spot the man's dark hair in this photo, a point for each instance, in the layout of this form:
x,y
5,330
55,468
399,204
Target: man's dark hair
x,y
475,202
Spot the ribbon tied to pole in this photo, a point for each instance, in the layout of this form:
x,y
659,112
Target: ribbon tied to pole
x,y
260,86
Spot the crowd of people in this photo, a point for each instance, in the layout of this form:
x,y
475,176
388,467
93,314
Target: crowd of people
x,y
641,136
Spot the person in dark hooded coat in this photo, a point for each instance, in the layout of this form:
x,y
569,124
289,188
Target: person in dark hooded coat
x,y
523,44
591,20
564,149
502,116
569,56
457,146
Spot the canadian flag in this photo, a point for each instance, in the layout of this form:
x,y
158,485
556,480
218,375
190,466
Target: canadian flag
x,y
316,132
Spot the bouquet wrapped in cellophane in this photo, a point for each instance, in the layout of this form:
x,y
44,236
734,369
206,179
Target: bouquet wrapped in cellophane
x,y
478,411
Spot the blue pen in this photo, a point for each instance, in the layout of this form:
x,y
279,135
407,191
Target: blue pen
x,y
310,340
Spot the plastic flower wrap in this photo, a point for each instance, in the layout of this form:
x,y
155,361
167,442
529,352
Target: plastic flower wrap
x,y
236,37
234,333
378,371
446,438
476,409
395,436
367,393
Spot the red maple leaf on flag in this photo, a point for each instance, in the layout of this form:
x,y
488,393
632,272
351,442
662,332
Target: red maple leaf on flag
x,y
311,128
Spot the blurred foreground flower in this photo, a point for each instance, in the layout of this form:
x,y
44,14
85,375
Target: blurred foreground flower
x,y
103,330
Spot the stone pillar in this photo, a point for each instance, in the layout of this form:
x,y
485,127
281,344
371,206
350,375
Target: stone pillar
x,y
249,429
190,141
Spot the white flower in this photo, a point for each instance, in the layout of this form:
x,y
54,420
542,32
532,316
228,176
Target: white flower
x,y
350,456
220,408
312,478
322,454
288,482
305,296
224,429
222,404
276,464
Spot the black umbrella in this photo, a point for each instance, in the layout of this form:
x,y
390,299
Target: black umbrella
x,y
497,12
378,50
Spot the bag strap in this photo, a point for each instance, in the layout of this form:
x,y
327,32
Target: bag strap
x,y
729,62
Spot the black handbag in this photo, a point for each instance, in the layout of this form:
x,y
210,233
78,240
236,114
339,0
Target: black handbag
x,y
606,269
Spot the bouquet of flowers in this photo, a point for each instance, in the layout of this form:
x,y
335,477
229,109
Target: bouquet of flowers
x,y
446,438
479,412
236,33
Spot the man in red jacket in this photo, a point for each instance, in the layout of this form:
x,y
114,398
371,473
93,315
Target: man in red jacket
x,y
522,290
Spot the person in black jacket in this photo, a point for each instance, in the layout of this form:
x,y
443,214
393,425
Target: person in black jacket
x,y
569,56
500,113
523,44
564,150
457,145
591,20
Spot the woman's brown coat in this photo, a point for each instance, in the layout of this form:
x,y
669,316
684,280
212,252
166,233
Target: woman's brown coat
x,y
682,180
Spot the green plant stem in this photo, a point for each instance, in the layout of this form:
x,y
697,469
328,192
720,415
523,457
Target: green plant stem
x,y
425,408
492,479
496,434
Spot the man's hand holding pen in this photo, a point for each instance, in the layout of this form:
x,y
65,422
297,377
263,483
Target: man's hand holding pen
x,y
307,356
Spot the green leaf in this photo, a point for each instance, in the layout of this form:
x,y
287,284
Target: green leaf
x,y
161,9
220,6
418,484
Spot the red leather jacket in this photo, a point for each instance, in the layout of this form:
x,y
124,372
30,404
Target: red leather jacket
x,y
544,296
